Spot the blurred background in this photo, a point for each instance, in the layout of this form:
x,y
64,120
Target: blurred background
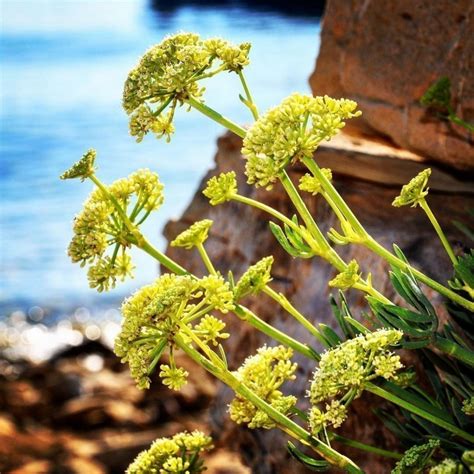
x,y
63,64
69,405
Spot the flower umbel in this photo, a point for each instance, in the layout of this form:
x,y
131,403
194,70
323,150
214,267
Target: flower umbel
x,y
291,131
311,184
83,168
413,192
221,188
348,278
169,73
344,370
173,377
177,455
99,226
264,373
194,235
254,279
416,458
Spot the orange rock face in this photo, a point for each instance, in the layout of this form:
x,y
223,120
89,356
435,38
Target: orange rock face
x,y
386,54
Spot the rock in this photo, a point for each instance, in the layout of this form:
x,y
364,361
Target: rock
x,y
34,467
240,236
386,54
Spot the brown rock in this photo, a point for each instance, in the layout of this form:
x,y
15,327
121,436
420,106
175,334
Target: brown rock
x,y
34,467
386,54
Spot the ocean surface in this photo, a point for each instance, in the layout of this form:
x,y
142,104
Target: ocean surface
x,y
63,64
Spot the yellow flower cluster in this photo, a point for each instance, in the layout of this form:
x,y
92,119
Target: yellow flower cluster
x,y
99,226
348,278
156,314
414,191
311,184
291,131
344,370
169,72
254,279
194,235
221,188
264,373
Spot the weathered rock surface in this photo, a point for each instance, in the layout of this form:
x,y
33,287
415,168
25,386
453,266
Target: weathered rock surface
x,y
61,417
240,236
386,54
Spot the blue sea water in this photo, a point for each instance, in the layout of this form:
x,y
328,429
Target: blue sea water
x,y
63,64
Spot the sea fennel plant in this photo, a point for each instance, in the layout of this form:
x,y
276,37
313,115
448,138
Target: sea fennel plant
x,y
184,312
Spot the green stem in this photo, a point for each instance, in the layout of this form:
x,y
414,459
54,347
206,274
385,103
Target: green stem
x,y
372,388
286,305
373,245
455,350
205,258
424,205
289,426
268,209
279,336
162,258
216,116
240,311
306,216
251,105
364,447
336,198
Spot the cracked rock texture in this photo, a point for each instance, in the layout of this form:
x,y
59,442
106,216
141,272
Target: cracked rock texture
x,y
385,54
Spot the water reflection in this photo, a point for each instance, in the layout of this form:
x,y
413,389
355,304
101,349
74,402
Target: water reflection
x,y
63,66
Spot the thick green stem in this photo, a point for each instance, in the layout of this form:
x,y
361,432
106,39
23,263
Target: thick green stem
x,y
279,336
249,102
286,305
454,350
216,116
289,426
373,245
205,258
376,390
162,258
439,231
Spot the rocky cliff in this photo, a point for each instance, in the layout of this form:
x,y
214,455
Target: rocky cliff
x,y
386,54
